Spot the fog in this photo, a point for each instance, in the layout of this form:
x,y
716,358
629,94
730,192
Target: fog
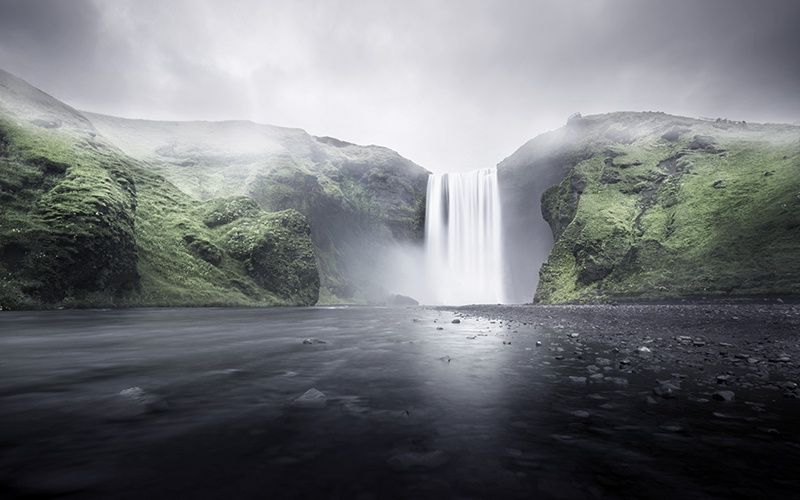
x,y
451,85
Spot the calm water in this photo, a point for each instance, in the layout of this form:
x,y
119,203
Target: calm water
x,y
200,403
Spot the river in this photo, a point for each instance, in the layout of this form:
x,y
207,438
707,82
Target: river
x,y
203,404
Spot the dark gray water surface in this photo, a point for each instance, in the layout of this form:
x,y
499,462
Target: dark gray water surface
x,y
199,403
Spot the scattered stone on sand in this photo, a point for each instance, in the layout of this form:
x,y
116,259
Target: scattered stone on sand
x,y
724,395
312,398
667,389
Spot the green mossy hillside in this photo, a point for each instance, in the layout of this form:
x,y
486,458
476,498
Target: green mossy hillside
x,y
359,201
83,225
661,207
67,220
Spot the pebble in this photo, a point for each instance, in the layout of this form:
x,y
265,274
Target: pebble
x,y
312,398
724,395
666,390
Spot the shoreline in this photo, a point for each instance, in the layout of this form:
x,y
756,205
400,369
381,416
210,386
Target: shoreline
x,y
756,337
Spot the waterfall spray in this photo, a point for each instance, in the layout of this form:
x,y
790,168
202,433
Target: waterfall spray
x,y
463,238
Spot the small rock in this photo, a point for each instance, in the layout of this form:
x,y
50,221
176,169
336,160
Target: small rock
x,y
132,403
666,389
538,343
314,341
312,398
643,351
578,380
471,337
581,413
723,379
506,342
439,328
445,359
574,335
723,395
618,381
456,321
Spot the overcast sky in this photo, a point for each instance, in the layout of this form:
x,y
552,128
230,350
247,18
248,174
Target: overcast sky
x,y
451,84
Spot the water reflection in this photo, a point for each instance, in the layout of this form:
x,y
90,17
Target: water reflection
x,y
199,404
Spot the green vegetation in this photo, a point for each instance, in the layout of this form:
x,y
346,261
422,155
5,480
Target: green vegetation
x,y
358,200
82,225
658,207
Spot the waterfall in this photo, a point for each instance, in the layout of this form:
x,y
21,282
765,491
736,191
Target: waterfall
x,y
463,238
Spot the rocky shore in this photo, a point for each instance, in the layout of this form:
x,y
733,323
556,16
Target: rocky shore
x,y
755,344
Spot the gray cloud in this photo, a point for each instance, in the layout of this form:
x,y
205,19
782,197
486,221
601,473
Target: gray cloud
x,y
453,85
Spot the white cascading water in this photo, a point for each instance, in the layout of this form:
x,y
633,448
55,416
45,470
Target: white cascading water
x,y
463,238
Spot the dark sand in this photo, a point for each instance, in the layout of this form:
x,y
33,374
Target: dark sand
x,y
764,337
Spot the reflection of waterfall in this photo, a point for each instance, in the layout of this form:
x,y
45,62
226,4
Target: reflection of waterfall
x,y
463,240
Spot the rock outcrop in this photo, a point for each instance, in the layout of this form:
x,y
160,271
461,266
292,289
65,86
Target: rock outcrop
x,y
85,225
646,206
359,200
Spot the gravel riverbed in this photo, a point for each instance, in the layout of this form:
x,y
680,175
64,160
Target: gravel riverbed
x,y
764,338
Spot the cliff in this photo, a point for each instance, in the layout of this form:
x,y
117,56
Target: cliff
x,y
85,225
359,201
648,206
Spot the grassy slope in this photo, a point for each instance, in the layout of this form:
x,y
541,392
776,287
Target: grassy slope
x,y
664,207
357,199
83,225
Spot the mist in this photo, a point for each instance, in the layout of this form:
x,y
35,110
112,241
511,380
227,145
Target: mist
x,y
453,86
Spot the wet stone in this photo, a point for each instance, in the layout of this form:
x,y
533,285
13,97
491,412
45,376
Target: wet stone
x,y
724,395
312,398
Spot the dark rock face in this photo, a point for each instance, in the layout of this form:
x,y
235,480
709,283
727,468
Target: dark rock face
x,y
282,261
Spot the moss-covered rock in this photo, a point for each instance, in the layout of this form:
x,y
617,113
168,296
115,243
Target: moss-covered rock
x,y
652,206
358,200
84,225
